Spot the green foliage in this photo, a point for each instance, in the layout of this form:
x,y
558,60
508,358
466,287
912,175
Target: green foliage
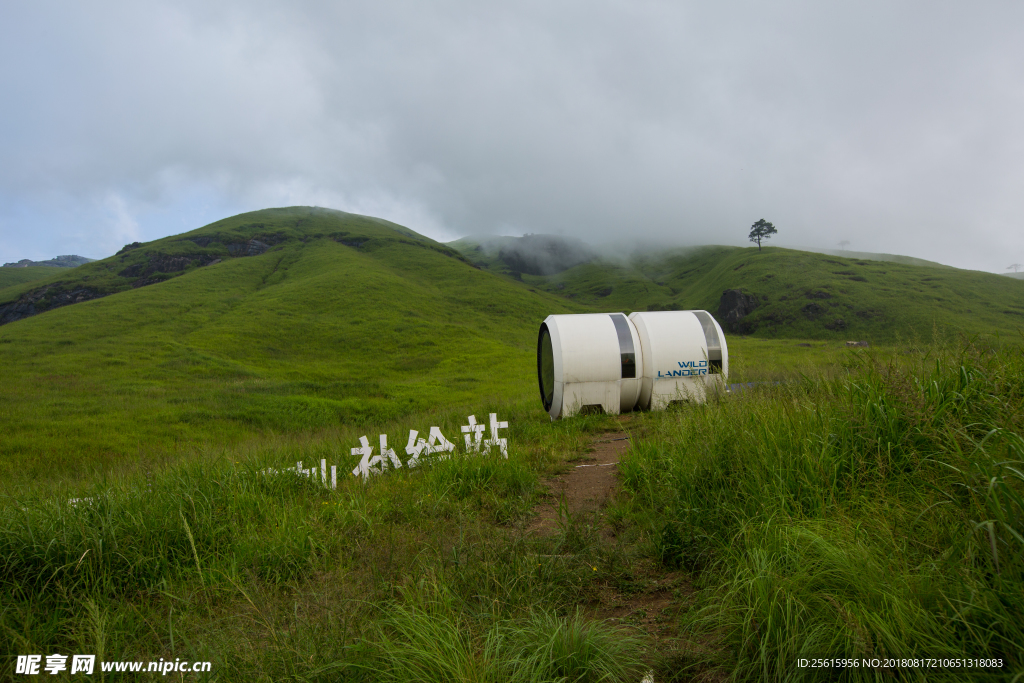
x,y
761,230
880,513
275,577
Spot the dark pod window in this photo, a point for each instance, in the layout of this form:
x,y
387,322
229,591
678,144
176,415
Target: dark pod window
x,y
626,351
545,367
711,337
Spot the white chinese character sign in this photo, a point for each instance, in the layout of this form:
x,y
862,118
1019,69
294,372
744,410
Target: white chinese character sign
x,y
436,444
417,448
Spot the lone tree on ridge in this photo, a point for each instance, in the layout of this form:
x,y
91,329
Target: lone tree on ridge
x,y
761,230
1016,267
844,244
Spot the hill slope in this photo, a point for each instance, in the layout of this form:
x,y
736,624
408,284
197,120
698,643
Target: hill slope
x,y
797,294
12,277
343,318
139,265
874,256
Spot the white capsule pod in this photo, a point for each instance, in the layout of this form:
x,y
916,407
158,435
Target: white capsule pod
x,y
684,357
588,362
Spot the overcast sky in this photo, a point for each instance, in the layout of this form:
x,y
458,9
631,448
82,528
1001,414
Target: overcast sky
x,y
896,126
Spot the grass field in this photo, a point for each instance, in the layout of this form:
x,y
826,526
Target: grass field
x,y
12,277
861,503
310,335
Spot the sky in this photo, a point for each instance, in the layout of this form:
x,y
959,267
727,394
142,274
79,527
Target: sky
x,y
895,126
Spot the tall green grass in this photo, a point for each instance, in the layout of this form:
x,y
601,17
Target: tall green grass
x,y
275,577
875,514
431,636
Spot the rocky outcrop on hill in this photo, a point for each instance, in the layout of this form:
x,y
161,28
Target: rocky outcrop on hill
x,y
733,307
163,263
250,248
812,311
44,299
139,269
354,242
128,247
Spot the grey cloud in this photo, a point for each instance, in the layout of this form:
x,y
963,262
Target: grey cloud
x,y
893,125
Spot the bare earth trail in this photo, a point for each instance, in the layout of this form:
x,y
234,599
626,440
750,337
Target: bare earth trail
x,y
651,597
585,489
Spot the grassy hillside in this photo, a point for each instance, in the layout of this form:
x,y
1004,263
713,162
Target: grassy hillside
x,y
800,294
343,320
874,256
12,277
139,265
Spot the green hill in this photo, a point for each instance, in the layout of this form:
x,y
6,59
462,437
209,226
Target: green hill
x,y
11,277
796,294
333,318
139,265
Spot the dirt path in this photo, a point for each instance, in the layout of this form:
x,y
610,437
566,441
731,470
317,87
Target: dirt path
x,y
587,488
651,597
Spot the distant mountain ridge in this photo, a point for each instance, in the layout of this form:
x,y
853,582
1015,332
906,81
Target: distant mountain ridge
x,y
779,292
66,261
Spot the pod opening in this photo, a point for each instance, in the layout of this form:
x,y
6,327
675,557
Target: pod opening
x,y
546,367
627,354
713,342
